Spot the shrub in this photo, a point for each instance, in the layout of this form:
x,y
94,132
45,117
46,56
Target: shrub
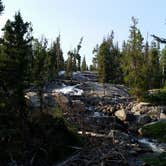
x,y
158,98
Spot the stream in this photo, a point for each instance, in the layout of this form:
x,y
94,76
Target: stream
x,y
100,127
144,143
154,145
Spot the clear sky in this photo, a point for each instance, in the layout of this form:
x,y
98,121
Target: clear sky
x,y
91,19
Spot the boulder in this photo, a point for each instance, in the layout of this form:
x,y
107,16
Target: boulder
x,y
121,114
162,116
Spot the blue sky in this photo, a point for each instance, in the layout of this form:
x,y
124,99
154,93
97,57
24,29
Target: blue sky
x,y
91,19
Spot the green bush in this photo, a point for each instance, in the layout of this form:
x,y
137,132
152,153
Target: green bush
x,y
46,138
158,98
155,160
156,131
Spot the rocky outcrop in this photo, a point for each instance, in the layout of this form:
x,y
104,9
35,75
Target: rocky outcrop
x,y
147,110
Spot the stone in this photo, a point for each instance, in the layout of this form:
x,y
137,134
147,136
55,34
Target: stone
x,y
32,99
121,114
162,116
140,108
140,131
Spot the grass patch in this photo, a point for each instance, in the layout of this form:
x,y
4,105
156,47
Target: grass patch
x,y
156,131
155,160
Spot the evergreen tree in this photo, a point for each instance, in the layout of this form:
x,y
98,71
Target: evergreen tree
x,y
1,7
103,62
153,67
109,60
74,60
145,68
69,64
163,66
59,53
133,59
83,66
77,55
56,58
53,62
17,55
40,67
94,60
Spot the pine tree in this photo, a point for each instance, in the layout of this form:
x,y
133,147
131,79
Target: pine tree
x,y
59,55
40,67
153,67
73,62
133,59
145,68
77,54
103,62
94,60
69,64
83,66
17,58
163,66
1,7
108,59
56,58
53,62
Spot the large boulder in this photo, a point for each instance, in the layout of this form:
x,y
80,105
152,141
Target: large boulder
x,y
121,114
